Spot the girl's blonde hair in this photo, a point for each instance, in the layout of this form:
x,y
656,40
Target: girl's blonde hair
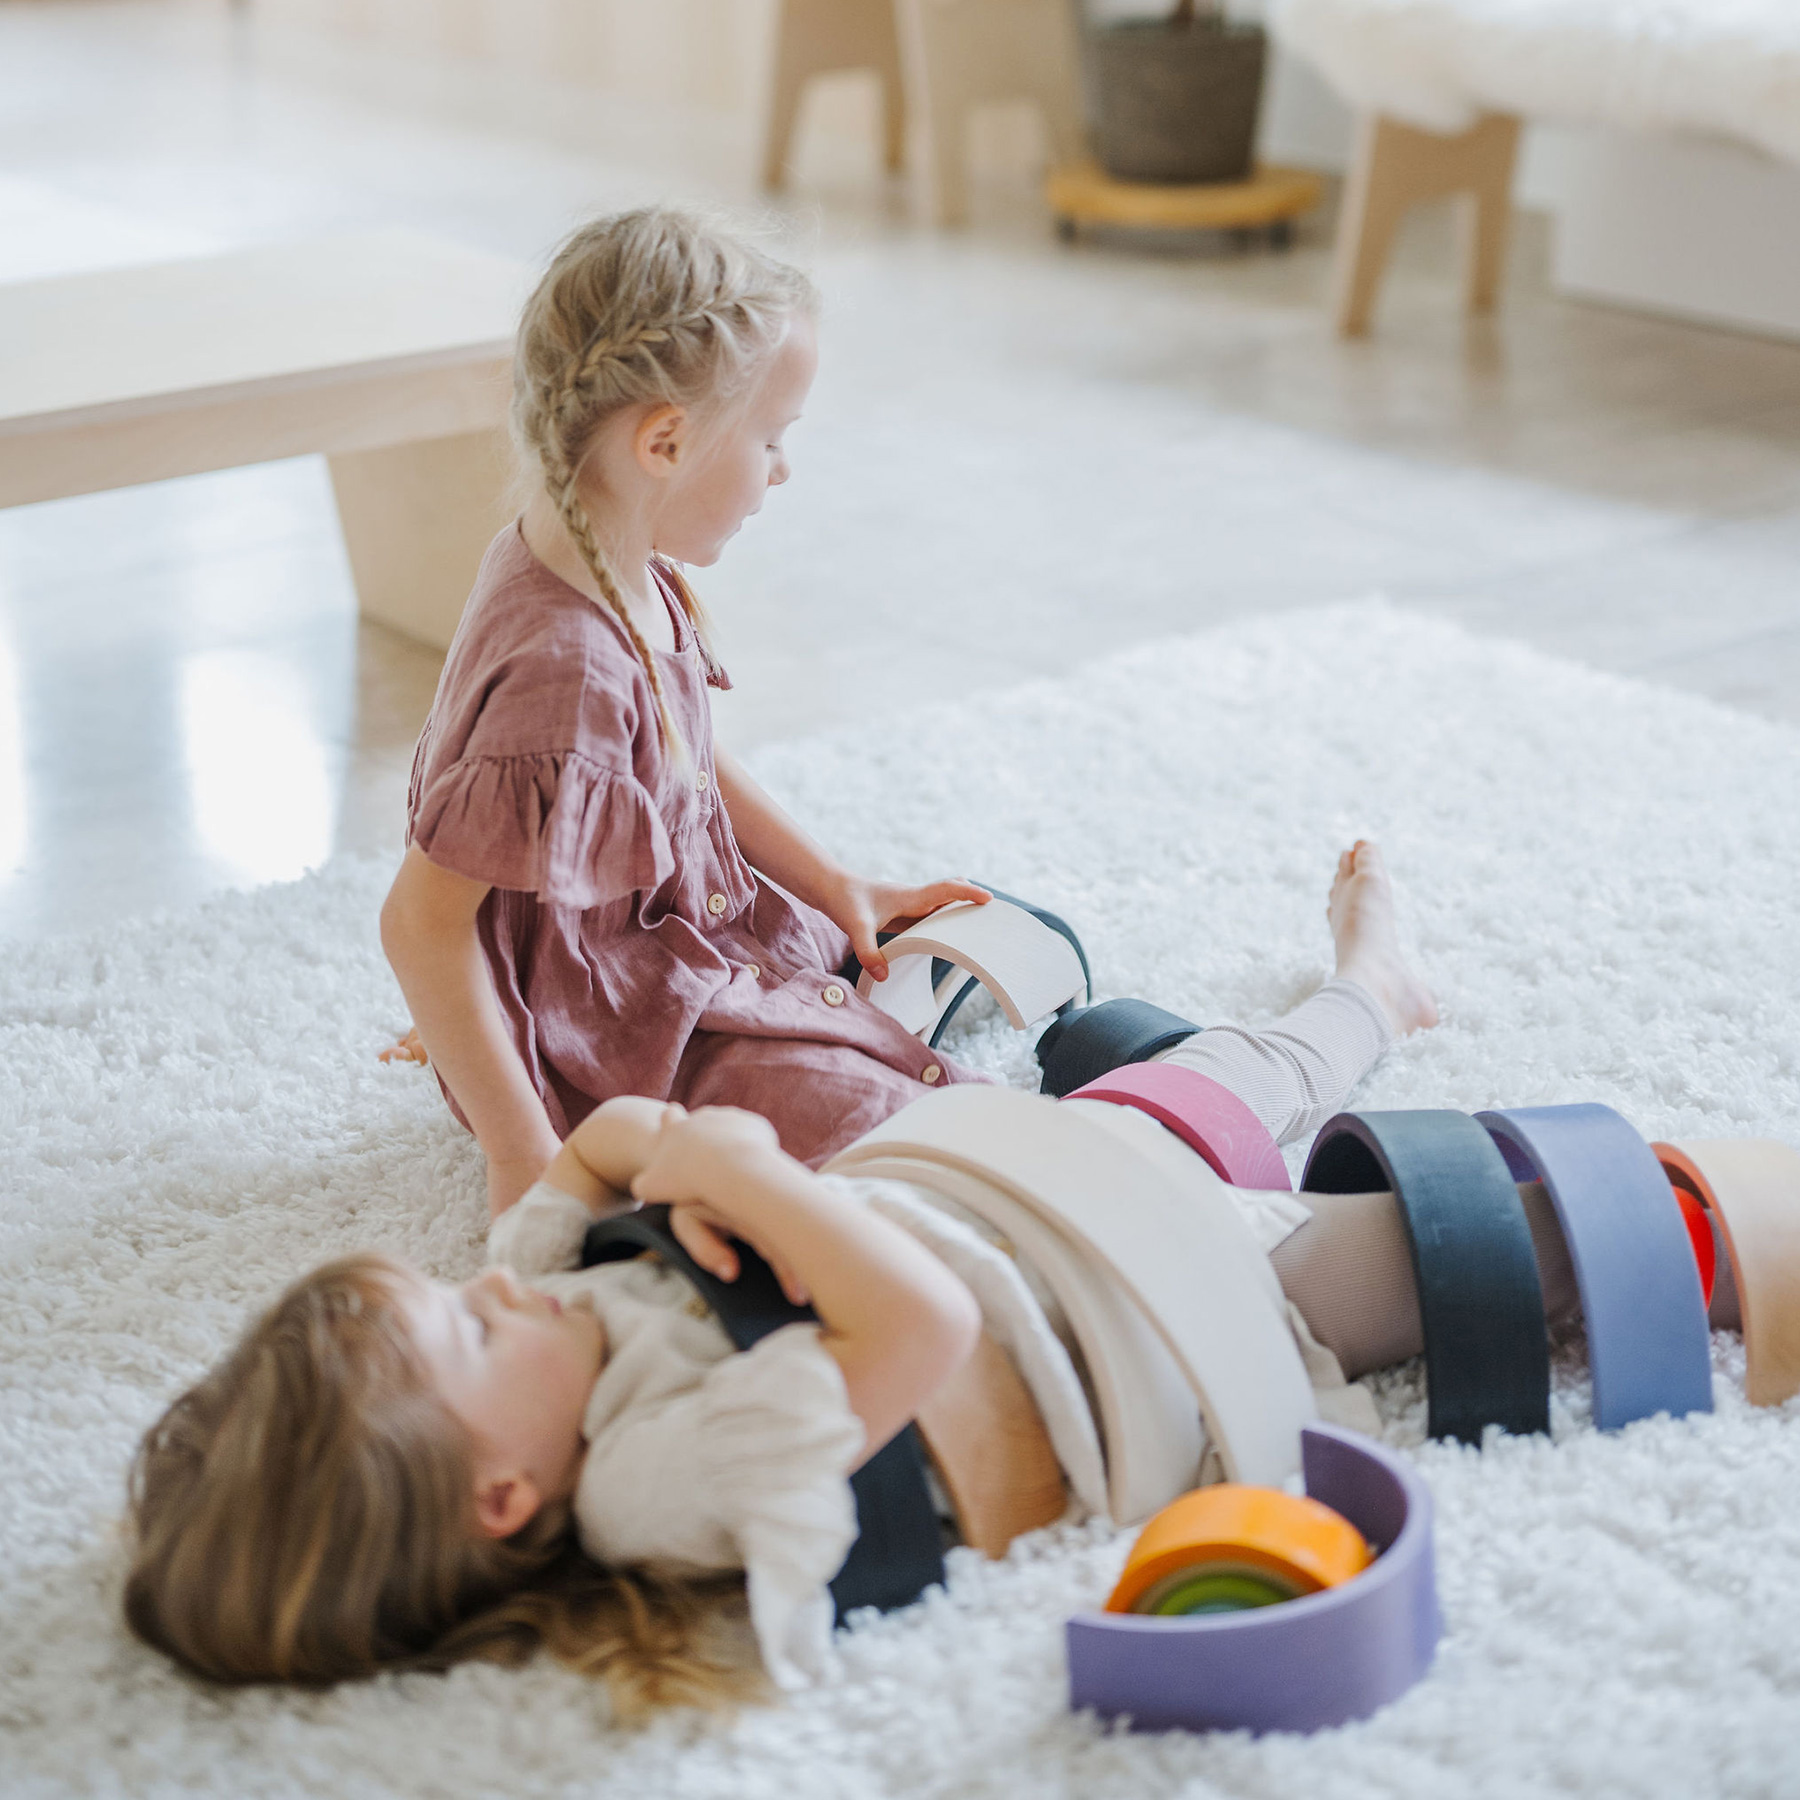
x,y
647,307
306,1514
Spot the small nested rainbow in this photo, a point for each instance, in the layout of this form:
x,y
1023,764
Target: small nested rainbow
x,y
1231,1548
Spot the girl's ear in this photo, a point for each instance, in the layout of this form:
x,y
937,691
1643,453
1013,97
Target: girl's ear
x,y
660,440
506,1503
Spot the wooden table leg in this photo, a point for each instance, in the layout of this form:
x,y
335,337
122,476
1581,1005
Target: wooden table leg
x,y
1489,224
1396,168
961,54
417,519
819,37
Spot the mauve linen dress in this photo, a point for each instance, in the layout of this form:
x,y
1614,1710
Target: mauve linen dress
x,y
632,949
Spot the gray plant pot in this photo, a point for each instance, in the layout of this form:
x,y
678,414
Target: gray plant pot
x,y
1176,103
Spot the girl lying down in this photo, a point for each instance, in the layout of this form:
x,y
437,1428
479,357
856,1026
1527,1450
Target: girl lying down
x,y
390,1472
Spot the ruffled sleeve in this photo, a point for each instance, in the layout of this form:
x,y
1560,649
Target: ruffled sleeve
x,y
555,824
749,1469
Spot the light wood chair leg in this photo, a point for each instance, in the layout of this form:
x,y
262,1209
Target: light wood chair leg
x,y
792,72
893,94
417,519
961,54
819,37
1490,222
1397,167
1374,203
944,153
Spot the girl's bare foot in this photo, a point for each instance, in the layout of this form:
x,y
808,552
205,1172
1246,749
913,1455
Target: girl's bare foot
x,y
1361,911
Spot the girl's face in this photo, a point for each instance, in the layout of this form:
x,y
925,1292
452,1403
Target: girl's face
x,y
733,461
516,1368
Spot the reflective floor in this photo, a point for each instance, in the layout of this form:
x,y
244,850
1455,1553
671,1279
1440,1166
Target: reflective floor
x,y
1018,457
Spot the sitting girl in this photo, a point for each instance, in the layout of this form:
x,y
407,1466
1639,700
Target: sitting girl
x,y
596,899
390,1472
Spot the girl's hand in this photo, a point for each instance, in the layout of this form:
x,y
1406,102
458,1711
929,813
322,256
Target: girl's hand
x,y
410,1048
695,1154
894,1319
692,1166
861,908
711,1240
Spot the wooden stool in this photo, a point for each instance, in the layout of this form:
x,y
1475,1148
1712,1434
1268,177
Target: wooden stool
x,y
961,54
1084,194
1397,167
820,37
388,354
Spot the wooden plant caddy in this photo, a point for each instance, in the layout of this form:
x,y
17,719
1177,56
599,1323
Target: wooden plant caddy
x,y
1084,194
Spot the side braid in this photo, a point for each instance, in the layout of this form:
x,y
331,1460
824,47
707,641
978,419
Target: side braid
x,y
575,390
580,528
569,405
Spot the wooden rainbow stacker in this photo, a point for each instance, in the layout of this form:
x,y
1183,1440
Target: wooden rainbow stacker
x,y
1083,193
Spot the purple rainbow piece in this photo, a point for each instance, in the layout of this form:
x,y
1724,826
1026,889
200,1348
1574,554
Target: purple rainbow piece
x,y
1298,1666
1208,1118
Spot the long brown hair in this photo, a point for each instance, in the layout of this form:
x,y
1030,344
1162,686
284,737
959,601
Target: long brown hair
x,y
651,306
306,1514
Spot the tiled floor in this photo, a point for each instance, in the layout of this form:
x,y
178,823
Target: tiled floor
x,y
1018,456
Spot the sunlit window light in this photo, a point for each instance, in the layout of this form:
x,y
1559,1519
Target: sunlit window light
x,y
259,774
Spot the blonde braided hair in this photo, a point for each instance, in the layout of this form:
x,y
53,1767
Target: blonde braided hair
x,y
647,307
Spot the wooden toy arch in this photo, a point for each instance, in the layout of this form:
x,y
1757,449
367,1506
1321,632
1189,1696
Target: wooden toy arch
x,y
1130,1197
1028,967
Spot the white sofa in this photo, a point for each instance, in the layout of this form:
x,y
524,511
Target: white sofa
x,y
1676,120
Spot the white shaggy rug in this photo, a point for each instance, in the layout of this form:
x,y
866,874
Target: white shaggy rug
x,y
1600,878
1724,67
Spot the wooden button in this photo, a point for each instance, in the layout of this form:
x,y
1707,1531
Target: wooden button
x,y
834,995
717,904
932,1075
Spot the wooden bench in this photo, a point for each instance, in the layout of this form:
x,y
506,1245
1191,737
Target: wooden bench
x,y
387,353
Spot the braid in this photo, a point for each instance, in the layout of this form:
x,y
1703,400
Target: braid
x,y
602,349
580,528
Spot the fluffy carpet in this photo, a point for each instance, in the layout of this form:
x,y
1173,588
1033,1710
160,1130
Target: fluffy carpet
x,y
1724,67
1599,877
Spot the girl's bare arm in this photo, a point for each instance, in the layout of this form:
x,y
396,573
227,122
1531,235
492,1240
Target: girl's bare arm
x,y
774,844
605,1151
896,1320
428,931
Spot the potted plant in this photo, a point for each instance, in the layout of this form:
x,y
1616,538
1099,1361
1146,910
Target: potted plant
x,y
1175,99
